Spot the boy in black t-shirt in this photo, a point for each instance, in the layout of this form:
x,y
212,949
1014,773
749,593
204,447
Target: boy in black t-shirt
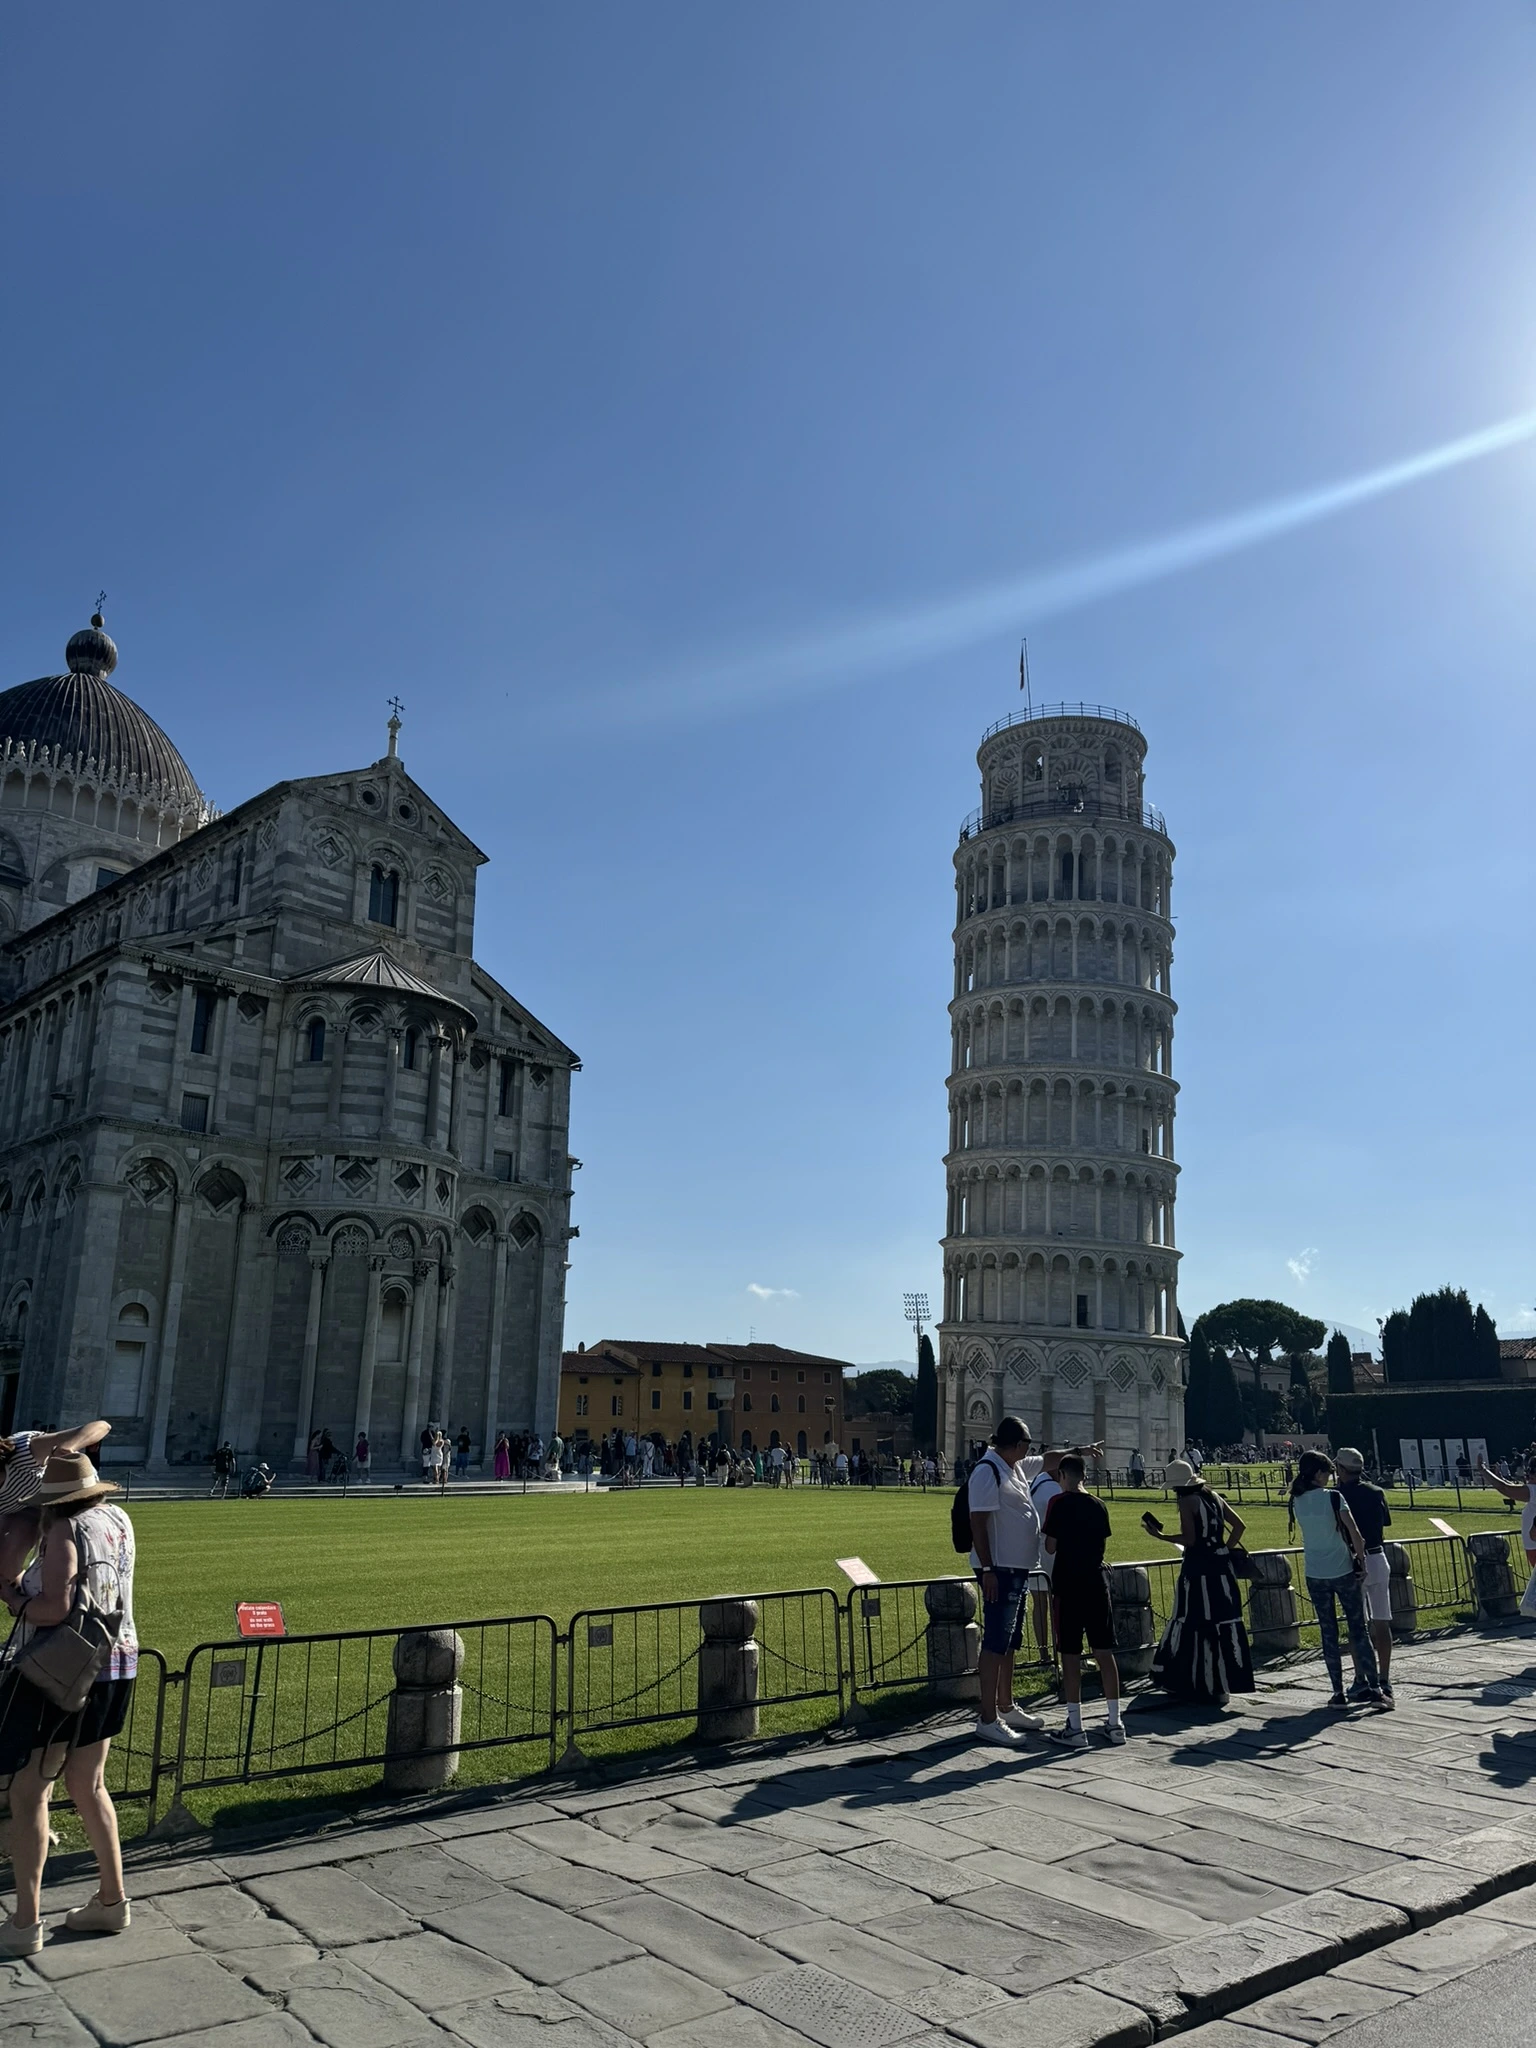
x,y
1076,1530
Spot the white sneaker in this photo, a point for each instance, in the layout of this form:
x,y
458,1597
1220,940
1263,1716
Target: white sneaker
x,y
1114,1733
1022,1723
1067,1738
1000,1733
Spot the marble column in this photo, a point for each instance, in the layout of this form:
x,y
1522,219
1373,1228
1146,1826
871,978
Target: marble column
x,y
170,1329
303,1422
493,1355
392,1044
423,1311
370,1356
239,1333
458,1081
442,1365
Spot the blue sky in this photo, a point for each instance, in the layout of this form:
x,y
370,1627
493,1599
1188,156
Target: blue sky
x,y
573,369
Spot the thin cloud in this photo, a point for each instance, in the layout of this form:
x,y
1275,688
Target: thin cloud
x,y
846,653
1300,1268
772,1293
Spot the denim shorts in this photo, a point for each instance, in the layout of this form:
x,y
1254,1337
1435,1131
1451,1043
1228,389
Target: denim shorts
x,y
1002,1619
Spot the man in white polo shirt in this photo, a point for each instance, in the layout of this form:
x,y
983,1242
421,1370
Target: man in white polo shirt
x,y
1005,1549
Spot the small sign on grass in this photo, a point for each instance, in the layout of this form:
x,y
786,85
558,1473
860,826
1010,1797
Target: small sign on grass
x,y
259,1618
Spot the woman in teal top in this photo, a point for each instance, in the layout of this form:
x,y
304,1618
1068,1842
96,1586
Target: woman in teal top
x,y
1335,1565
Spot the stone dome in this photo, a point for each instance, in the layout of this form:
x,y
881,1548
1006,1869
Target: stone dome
x,y
83,715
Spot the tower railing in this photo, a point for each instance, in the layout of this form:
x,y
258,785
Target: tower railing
x,y
1061,711
1064,806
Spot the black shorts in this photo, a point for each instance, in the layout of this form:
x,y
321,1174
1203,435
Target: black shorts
x,y
1082,1611
28,1721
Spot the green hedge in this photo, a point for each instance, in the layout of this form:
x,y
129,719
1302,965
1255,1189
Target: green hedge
x,y
1504,1414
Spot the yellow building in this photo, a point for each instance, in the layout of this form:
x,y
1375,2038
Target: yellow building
x,y
752,1395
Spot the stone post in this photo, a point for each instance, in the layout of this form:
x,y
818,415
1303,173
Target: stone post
x,y
1274,1627
1130,1606
424,1711
1498,1597
728,1671
953,1638
1405,1595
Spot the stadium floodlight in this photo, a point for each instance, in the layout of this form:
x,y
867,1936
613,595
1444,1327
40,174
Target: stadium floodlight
x,y
915,1308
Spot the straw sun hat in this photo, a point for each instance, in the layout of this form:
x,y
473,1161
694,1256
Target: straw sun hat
x,y
1178,1472
71,1480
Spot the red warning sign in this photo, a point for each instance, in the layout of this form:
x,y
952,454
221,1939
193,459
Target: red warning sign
x,y
260,1618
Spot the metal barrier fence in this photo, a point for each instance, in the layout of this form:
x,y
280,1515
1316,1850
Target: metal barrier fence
x,y
298,1705
629,1666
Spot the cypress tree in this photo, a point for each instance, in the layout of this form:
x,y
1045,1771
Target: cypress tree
x,y
1394,1348
1341,1370
1485,1346
925,1402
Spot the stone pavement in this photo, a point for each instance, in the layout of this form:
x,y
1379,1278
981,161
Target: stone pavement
x,y
1270,1876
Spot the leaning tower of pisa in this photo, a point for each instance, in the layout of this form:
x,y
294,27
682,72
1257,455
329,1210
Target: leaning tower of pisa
x,y
1059,1262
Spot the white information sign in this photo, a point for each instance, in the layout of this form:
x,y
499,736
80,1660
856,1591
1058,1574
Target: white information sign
x,y
1408,1453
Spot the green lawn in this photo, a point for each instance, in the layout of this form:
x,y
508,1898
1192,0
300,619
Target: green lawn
x,y
394,1560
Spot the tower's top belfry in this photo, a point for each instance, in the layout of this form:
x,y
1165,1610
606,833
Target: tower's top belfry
x,y
1060,1267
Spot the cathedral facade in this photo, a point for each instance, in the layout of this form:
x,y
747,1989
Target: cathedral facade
x,y
1060,1268
276,1152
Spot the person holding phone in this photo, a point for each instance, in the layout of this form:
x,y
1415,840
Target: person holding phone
x,y
1204,1656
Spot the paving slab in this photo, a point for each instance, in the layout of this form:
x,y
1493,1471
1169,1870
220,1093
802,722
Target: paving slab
x,y
538,1941
142,2001
150,1939
906,1824
1199,1979
346,2008
574,1841
953,1997
623,1821
432,1972
740,2026
330,1907
571,1885
1354,1925
644,1996
1317,2010
691,1836
277,2030
831,1886
1224,2034
500,1856
327,1848
421,1880
1056,1811
816,1830
1169,1919
1071,2016
933,1875
1209,1892
676,1933
45,2022
830,2010
749,1908
152,1881
485,1820
1517,1907
1338,1852
1426,1892
1017,1959
1437,1954
860,1957
1038,1913
1265,1861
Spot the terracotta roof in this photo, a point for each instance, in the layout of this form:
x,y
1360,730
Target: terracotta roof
x,y
1517,1347
600,1362
646,1351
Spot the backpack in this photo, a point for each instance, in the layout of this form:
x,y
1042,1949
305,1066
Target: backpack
x,y
960,1515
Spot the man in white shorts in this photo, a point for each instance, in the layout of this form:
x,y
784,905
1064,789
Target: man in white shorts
x,y
1368,1505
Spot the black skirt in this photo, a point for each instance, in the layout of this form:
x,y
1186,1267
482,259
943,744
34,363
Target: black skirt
x,y
29,1721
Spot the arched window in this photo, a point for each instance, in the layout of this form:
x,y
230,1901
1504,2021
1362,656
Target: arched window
x,y
314,1039
383,895
125,1372
412,1040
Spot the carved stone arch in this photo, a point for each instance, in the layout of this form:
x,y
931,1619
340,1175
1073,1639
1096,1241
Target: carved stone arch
x,y
386,854
221,1188
68,1179
525,1230
18,1303
478,1224
152,1177
1021,1364
352,1237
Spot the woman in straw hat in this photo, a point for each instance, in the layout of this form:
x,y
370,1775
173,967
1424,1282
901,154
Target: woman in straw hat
x,y
1204,1655
82,1532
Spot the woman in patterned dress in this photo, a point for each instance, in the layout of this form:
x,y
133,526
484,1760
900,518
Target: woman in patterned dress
x,y
1204,1656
